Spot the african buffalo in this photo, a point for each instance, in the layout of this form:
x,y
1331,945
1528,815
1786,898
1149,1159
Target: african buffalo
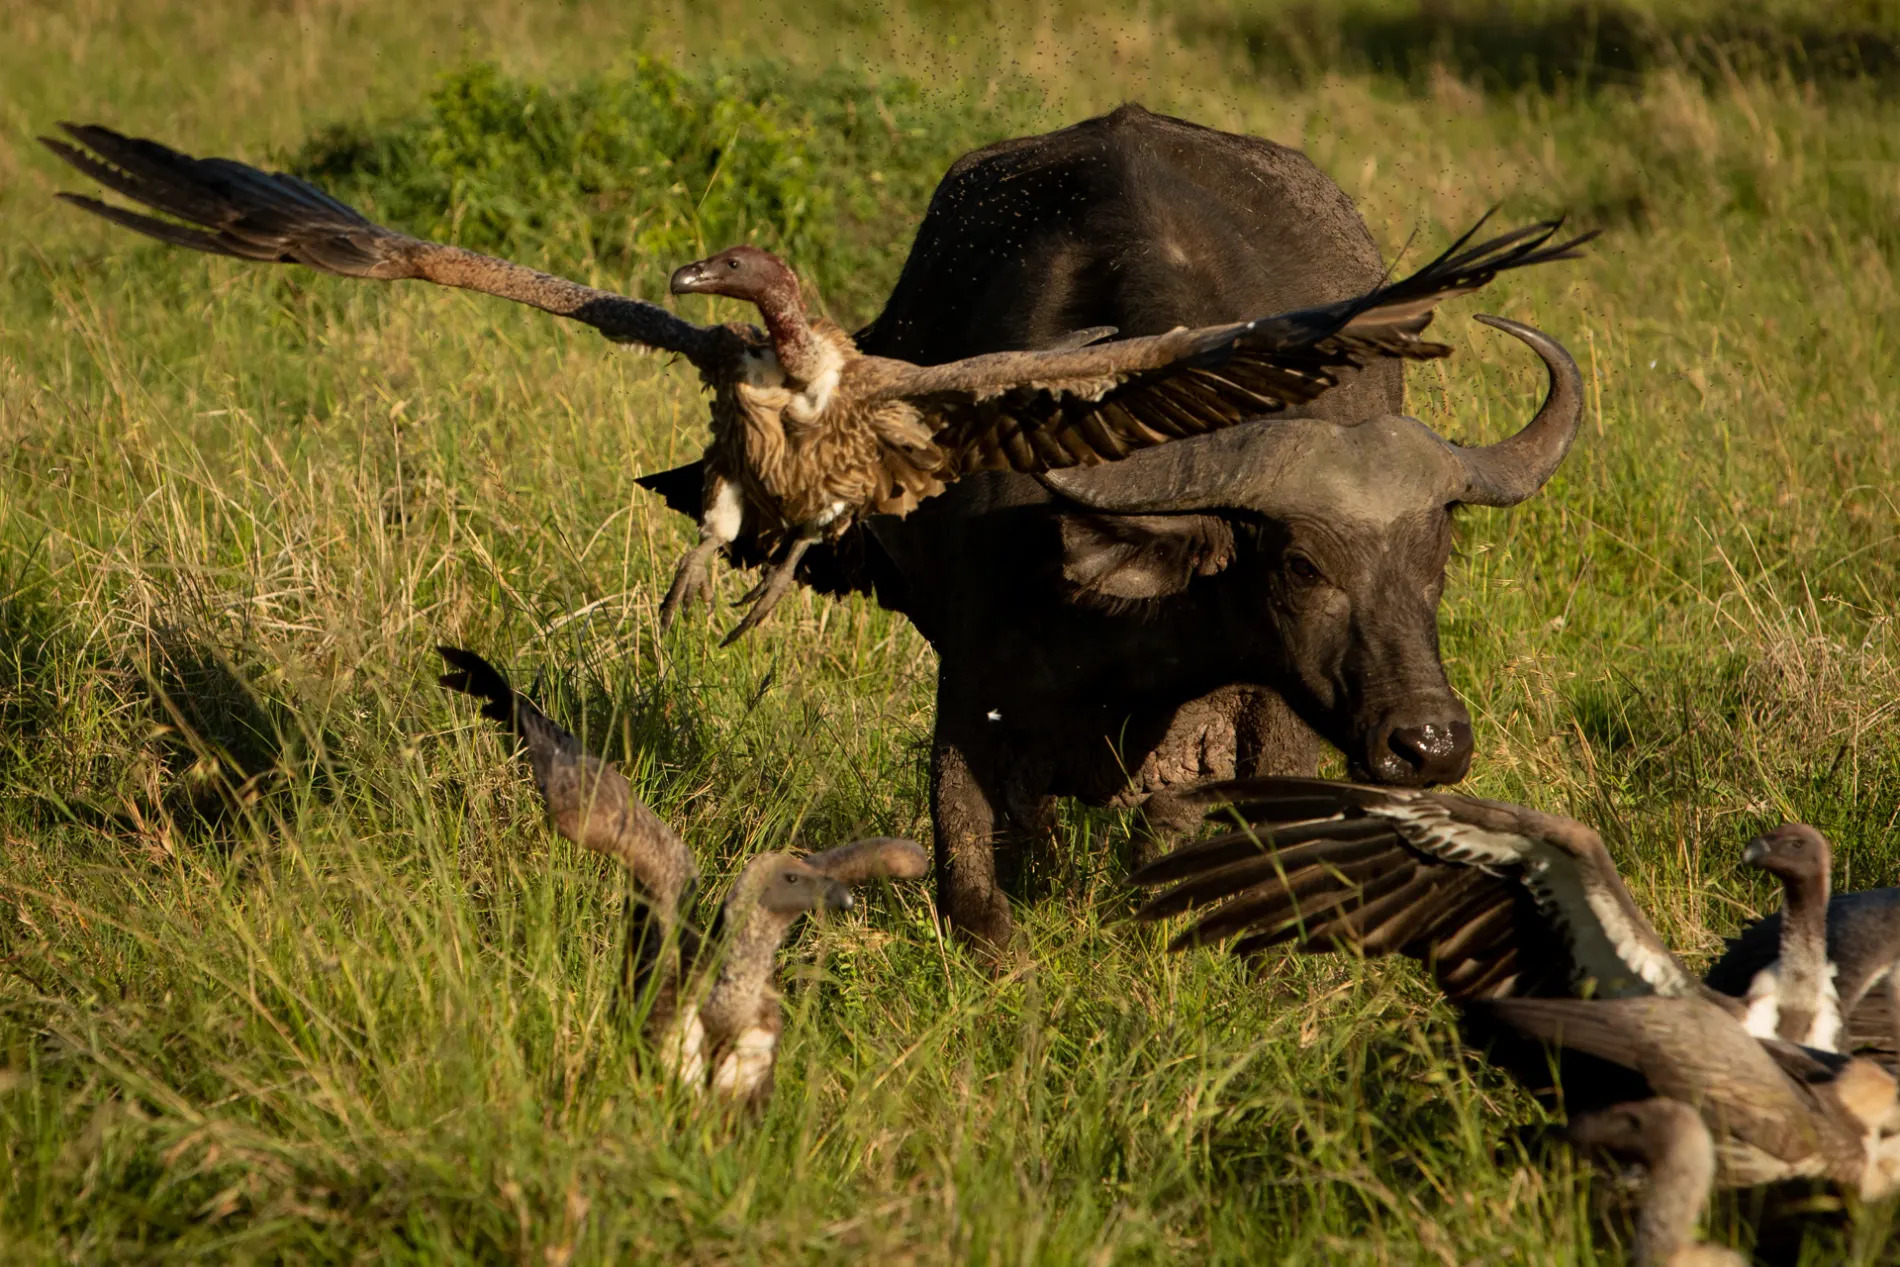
x,y
1201,609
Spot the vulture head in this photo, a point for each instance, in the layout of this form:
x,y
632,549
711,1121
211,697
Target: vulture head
x,y
739,272
788,887
1792,851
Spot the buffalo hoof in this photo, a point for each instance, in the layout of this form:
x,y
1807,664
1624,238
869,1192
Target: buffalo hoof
x,y
1164,821
989,934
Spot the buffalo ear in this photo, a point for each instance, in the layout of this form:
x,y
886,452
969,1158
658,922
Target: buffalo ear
x,y
1115,559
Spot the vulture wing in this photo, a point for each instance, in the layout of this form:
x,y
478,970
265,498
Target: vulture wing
x,y
1498,900
229,208
1043,410
589,801
1689,1049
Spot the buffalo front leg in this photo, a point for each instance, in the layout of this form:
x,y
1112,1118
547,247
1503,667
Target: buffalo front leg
x,y
1258,734
963,813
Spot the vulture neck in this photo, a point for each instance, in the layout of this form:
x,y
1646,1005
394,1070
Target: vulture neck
x,y
744,975
796,343
667,883
1680,1175
1803,970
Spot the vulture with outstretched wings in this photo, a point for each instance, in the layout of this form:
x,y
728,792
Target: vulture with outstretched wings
x,y
809,433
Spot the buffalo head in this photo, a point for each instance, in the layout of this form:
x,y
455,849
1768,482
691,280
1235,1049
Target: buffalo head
x,y
1331,541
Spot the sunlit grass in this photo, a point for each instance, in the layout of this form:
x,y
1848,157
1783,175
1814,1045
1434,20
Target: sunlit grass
x,y
292,968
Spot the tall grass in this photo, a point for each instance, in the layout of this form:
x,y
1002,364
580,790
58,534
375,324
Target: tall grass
x,y
290,967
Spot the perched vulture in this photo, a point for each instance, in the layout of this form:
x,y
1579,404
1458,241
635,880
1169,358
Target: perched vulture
x,y
1525,923
1673,1146
1821,964
809,433
714,1017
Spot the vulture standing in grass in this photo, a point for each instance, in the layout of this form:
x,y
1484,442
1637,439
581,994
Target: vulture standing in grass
x,y
809,433
592,804
1525,923
1673,1146
1823,964
1794,997
714,1019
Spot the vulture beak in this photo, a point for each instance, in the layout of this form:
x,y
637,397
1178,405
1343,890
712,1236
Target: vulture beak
x,y
691,279
1756,852
838,897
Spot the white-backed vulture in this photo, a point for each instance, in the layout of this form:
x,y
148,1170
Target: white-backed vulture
x,y
1845,949
1523,920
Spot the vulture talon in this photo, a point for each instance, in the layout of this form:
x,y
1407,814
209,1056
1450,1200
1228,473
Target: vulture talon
x,y
770,590
752,595
692,581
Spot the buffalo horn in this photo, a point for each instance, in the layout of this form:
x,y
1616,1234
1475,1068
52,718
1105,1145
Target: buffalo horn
x,y
1222,469
1505,473
1243,465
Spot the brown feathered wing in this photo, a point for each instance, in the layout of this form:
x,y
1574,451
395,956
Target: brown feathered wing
x,y
1044,410
231,208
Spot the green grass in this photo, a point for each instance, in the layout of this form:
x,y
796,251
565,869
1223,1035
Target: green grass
x,y
290,968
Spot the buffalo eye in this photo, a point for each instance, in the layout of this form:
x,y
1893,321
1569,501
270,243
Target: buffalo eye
x,y
1302,567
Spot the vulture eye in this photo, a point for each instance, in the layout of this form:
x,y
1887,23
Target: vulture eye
x,y
732,263
1302,567
792,877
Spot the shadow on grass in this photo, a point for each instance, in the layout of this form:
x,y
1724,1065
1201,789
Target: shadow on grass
x,y
227,747
32,646
1582,46
218,746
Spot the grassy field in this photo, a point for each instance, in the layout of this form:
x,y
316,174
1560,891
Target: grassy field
x,y
290,968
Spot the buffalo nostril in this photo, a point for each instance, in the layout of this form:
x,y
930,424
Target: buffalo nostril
x,y
1436,752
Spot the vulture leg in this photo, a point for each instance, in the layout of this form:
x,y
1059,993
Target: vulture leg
x,y
692,579
719,523
765,595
